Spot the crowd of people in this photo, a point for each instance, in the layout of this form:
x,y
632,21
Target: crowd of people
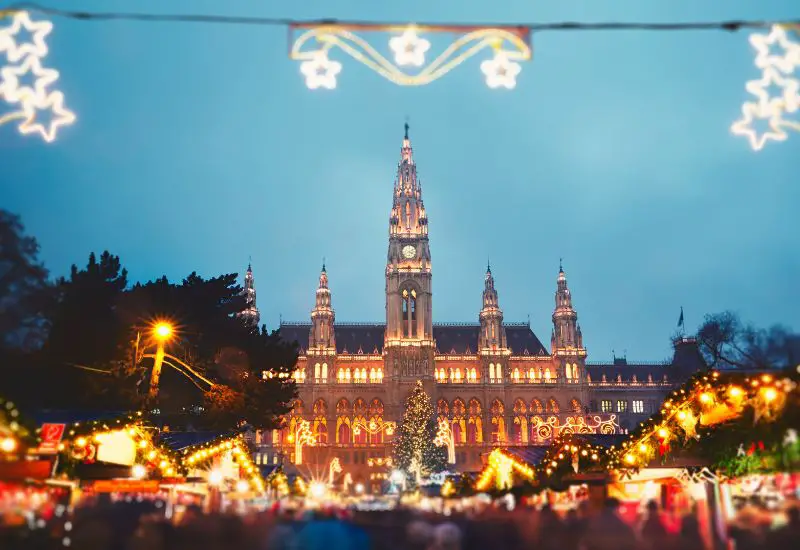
x,y
141,526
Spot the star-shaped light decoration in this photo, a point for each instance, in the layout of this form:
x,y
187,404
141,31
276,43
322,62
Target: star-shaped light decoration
x,y
320,72
409,49
744,126
501,71
9,81
788,101
785,62
61,116
38,29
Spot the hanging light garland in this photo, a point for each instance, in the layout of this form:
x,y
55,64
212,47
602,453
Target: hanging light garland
x,y
707,400
778,71
500,469
508,46
154,460
571,454
21,58
197,455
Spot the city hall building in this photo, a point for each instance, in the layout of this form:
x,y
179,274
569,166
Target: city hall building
x,y
494,381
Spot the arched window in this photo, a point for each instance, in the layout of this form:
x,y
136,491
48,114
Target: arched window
x,y
473,375
347,375
359,425
316,373
343,422
364,374
498,421
575,372
376,420
519,430
340,375
320,409
409,313
531,374
324,372
537,407
491,372
458,424
516,375
475,422
576,406
547,374
442,409
568,371
552,406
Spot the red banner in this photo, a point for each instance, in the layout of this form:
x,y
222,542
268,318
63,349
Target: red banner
x,y
25,469
50,435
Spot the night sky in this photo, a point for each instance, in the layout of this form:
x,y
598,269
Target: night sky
x,y
197,146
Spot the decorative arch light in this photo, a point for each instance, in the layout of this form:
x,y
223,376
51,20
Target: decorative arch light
x,y
20,58
508,47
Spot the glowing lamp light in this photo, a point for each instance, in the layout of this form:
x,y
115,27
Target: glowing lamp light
x,y
317,489
735,391
682,415
706,398
663,433
138,471
770,394
162,330
359,488
320,72
8,445
397,477
409,49
215,477
642,448
242,486
80,442
630,459
500,71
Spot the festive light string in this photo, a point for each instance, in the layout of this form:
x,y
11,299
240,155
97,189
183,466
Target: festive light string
x,y
197,455
777,70
24,58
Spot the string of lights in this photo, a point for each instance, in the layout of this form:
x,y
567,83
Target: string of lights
x,y
312,42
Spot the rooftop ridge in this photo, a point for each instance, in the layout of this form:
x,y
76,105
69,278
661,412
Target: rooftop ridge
x,y
383,323
664,362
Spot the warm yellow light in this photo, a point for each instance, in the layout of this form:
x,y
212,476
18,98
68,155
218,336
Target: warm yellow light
x,y
162,330
242,486
138,471
8,445
642,448
766,378
80,442
143,444
630,459
735,391
706,398
770,394
682,415
317,489
663,433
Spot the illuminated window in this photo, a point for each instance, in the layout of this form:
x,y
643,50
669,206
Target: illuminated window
x,y
531,374
340,375
324,372
516,374
638,406
472,375
547,373
491,372
316,372
605,406
347,375
622,406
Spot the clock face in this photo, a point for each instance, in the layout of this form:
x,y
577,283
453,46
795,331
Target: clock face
x,y
409,251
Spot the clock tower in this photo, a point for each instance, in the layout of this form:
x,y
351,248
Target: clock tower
x,y
409,327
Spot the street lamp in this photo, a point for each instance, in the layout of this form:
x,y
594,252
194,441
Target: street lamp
x,y
162,332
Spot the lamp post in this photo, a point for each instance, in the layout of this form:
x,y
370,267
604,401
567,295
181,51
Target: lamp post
x,y
162,332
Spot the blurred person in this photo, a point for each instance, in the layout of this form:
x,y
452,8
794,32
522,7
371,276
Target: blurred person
x,y
447,536
690,537
786,536
551,529
419,535
608,531
653,533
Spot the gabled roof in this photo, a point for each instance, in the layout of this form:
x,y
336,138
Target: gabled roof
x,y
455,338
177,441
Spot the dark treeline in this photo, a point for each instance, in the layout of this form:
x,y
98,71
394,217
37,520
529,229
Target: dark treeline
x,y
83,342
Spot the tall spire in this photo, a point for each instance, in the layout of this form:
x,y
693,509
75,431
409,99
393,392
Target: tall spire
x,y
492,337
321,337
408,211
250,313
566,331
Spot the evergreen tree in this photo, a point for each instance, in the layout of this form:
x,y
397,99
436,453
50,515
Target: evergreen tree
x,y
414,443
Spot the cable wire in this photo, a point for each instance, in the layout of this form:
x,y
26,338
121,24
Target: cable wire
x,y
729,26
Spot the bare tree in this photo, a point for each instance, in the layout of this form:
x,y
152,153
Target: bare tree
x,y
726,342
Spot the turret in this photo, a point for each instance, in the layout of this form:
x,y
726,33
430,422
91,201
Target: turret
x,y
321,337
492,337
250,314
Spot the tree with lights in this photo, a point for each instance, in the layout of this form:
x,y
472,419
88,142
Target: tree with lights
x,y
414,444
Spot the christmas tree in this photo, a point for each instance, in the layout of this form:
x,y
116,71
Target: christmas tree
x,y
414,451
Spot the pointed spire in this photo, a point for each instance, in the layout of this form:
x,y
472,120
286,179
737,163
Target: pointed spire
x,y
406,127
323,264
488,265
250,314
565,318
492,336
321,336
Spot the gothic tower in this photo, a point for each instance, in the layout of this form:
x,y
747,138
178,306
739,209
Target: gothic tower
x,y
409,327
250,314
492,338
567,340
321,337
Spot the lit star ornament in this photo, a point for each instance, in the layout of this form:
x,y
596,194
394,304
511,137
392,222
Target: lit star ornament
x,y
38,29
791,51
501,71
744,126
788,101
320,72
9,81
409,49
61,116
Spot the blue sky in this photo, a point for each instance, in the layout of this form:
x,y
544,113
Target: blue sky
x,y
197,146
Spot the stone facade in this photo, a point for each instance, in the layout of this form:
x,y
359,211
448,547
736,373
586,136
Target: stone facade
x,y
494,381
